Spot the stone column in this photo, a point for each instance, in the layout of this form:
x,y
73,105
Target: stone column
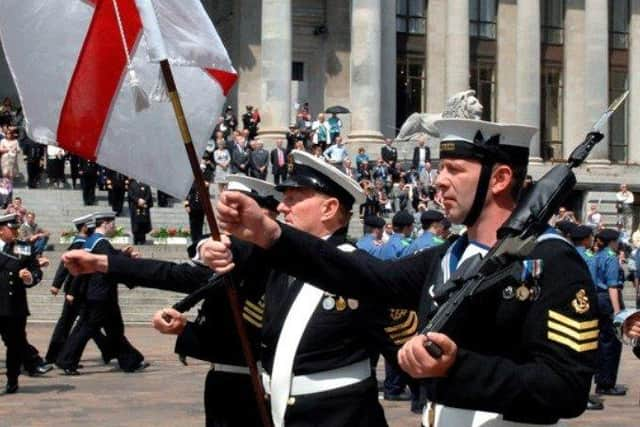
x,y
366,58
436,64
457,54
596,78
246,54
275,107
506,66
337,56
528,69
573,127
633,102
388,69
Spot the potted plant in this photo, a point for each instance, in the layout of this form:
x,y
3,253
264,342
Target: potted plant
x,y
179,236
159,235
120,236
67,236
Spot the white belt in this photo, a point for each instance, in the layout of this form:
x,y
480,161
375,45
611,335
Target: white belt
x,y
455,417
325,380
233,369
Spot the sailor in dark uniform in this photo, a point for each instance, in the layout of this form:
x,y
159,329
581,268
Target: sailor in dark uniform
x,y
316,345
18,270
522,353
71,306
116,184
101,309
228,386
140,204
195,211
88,179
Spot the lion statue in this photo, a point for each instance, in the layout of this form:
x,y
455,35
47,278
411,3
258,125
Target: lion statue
x,y
463,105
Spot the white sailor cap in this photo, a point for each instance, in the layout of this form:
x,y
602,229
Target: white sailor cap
x,y
261,191
478,139
83,220
10,220
313,172
108,216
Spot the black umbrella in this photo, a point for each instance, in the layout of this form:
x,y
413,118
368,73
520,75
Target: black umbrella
x,y
337,109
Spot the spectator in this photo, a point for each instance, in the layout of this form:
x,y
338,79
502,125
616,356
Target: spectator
x,y
624,207
389,155
55,166
140,204
34,159
249,122
364,173
371,205
32,233
240,156
222,161
9,149
381,171
230,121
421,154
361,158
16,208
6,192
279,162
336,154
348,170
321,132
259,160
594,218
335,127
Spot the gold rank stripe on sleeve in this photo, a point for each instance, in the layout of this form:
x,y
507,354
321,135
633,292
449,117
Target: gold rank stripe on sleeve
x,y
411,321
252,314
578,336
254,322
580,326
258,309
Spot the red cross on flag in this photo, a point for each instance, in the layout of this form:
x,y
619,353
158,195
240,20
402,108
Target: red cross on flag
x,y
75,63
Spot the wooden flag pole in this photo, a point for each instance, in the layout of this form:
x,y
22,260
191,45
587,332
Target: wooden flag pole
x,y
203,192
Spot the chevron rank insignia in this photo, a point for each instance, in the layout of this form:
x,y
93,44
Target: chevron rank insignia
x,y
253,312
405,325
577,335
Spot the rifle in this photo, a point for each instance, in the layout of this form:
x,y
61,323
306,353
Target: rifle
x,y
517,236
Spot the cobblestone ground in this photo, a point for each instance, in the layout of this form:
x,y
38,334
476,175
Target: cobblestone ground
x,y
169,394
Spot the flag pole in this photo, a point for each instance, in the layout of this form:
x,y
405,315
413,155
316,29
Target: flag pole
x,y
203,192
157,52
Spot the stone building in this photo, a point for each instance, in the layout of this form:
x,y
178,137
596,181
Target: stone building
x,y
554,64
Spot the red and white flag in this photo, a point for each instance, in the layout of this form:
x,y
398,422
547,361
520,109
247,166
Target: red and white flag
x,y
72,61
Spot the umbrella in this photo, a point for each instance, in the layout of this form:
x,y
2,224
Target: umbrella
x,y
337,109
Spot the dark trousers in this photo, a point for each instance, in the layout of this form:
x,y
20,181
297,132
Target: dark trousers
x,y
395,382
33,173
70,312
97,315
163,199
31,357
88,183
74,165
224,392
116,200
14,335
139,238
196,223
279,174
609,347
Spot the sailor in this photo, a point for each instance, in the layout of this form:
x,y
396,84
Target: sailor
x,y
523,352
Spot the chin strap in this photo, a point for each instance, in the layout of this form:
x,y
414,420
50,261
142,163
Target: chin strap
x,y
488,160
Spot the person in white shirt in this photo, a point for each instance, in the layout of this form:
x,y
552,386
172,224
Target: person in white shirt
x,y
624,206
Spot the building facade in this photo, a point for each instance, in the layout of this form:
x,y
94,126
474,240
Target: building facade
x,y
553,64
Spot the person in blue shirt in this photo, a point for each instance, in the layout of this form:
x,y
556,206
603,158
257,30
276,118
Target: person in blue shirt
x,y
582,238
400,239
372,239
609,303
432,229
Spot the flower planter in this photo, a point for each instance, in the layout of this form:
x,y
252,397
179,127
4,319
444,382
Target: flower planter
x,y
120,240
170,240
66,240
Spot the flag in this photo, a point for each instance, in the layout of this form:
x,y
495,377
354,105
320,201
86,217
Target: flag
x,y
72,62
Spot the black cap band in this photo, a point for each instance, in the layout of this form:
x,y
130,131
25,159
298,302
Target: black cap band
x,y
304,176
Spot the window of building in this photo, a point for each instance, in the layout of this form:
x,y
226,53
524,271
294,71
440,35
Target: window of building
x,y
618,129
483,18
619,24
552,20
410,87
551,114
410,16
297,71
483,81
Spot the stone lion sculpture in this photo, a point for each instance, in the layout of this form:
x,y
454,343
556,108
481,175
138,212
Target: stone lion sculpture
x,y
463,105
